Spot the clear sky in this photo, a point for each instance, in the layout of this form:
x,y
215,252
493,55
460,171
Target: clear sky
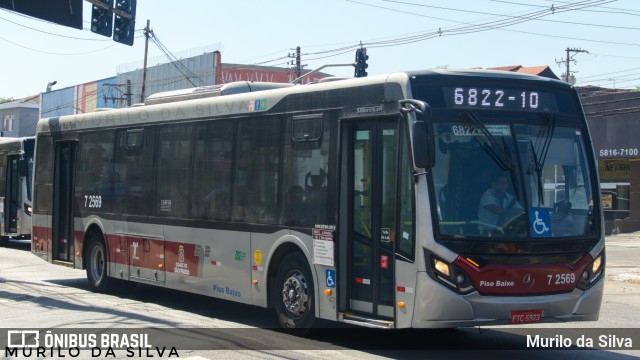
x,y
399,35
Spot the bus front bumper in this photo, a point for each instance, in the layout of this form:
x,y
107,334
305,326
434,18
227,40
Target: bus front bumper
x,y
436,306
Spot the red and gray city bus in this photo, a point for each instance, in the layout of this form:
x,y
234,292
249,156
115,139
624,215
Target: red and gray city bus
x,y
16,170
355,200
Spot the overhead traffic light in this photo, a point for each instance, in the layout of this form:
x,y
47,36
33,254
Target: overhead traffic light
x,y
102,18
361,63
124,24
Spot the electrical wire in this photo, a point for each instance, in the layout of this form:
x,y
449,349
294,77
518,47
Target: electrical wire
x,y
469,28
54,53
185,71
52,34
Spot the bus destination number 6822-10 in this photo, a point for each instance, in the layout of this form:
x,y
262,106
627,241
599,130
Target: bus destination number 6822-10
x,y
499,99
495,98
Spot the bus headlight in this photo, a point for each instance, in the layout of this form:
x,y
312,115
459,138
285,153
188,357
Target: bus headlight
x,y
27,209
447,274
442,267
592,273
596,264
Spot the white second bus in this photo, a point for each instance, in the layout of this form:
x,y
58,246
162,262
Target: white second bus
x,y
16,170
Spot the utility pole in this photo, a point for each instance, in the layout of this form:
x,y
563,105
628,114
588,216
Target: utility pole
x,y
297,66
147,34
568,61
128,93
124,96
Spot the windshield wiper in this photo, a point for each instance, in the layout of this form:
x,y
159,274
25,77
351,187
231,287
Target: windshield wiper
x,y
500,155
539,160
495,151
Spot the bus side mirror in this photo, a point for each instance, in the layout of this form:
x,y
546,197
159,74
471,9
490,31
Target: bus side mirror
x,y
423,147
422,140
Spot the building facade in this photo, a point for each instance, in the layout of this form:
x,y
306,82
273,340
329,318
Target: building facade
x,y
614,120
126,88
18,119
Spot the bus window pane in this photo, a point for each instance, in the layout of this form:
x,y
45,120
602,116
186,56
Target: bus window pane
x,y
389,173
133,185
174,161
44,174
3,181
256,180
406,243
211,196
95,170
306,178
362,270
362,159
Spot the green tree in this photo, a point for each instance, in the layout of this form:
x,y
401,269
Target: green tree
x,y
5,99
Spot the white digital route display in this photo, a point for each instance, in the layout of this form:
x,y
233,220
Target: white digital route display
x,y
499,99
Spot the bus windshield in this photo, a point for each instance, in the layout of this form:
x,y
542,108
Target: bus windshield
x,y
515,176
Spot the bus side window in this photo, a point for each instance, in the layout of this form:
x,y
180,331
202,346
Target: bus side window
x,y
173,176
133,185
305,170
211,195
44,174
95,169
257,165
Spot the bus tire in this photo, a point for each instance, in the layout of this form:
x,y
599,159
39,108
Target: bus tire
x,y
294,294
97,265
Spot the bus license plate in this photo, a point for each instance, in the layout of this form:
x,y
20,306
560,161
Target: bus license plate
x,y
525,316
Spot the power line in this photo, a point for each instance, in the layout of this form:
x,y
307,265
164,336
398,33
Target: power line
x,y
553,9
613,72
603,7
469,28
54,53
52,34
614,10
185,71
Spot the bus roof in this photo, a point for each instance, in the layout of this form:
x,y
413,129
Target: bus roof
x,y
248,97
484,74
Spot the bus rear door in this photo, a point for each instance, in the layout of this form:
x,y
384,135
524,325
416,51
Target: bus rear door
x,y
369,182
63,192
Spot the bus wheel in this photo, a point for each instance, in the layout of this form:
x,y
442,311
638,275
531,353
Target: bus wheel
x,y
294,294
97,265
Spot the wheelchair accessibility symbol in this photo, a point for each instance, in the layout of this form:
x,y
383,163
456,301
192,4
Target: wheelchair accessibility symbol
x,y
331,278
540,221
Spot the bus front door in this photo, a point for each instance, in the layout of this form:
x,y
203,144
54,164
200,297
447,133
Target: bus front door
x,y
12,198
370,185
63,192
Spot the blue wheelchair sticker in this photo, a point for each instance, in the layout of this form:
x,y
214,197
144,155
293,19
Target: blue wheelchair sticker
x,y
540,222
331,278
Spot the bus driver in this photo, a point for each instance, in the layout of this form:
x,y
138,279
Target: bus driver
x,y
496,200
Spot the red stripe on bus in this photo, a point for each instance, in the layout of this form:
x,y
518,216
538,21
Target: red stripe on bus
x,y
524,279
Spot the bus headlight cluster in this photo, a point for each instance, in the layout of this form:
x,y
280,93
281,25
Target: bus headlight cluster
x,y
27,209
592,272
447,274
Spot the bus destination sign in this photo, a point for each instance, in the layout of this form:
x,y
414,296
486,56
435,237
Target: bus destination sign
x,y
499,99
